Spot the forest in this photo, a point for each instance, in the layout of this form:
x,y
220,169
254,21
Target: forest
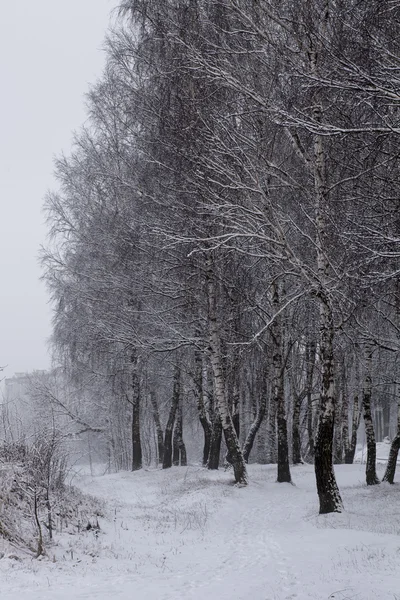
x,y
224,242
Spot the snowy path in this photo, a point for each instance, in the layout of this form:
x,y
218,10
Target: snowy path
x,y
188,534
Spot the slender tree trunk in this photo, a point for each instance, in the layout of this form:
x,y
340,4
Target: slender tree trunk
x,y
134,400
48,503
179,454
310,353
167,460
159,430
175,442
283,450
236,397
338,431
310,422
279,393
136,444
40,546
272,456
90,453
390,470
231,439
355,422
216,427
328,491
216,439
296,441
370,472
355,419
201,407
345,413
255,426
392,460
261,439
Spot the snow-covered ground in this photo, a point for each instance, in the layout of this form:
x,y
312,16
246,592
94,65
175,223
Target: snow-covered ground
x,y
382,452
189,534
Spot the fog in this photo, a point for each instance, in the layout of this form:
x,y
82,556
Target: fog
x,y
49,54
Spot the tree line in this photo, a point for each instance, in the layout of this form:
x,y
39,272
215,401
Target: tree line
x,y
224,242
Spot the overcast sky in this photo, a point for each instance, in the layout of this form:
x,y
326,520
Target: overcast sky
x,y
50,52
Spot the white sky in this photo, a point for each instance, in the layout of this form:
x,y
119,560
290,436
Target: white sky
x,y
50,51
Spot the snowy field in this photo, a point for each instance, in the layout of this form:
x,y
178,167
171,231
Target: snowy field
x,y
382,453
188,533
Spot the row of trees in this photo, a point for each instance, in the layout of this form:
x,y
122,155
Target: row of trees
x,y
225,237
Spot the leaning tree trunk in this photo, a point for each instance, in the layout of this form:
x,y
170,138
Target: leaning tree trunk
x,y
370,470
231,439
255,426
167,460
159,431
392,460
201,407
394,448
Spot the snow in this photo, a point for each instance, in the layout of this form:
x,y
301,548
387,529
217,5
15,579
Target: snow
x,y
382,452
188,533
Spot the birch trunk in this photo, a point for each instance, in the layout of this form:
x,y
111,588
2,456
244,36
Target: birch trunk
x,y
355,419
231,439
338,431
392,460
179,453
328,491
311,351
159,431
215,443
296,441
279,393
201,407
134,398
390,470
255,426
355,422
216,428
345,414
271,433
370,471
167,460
